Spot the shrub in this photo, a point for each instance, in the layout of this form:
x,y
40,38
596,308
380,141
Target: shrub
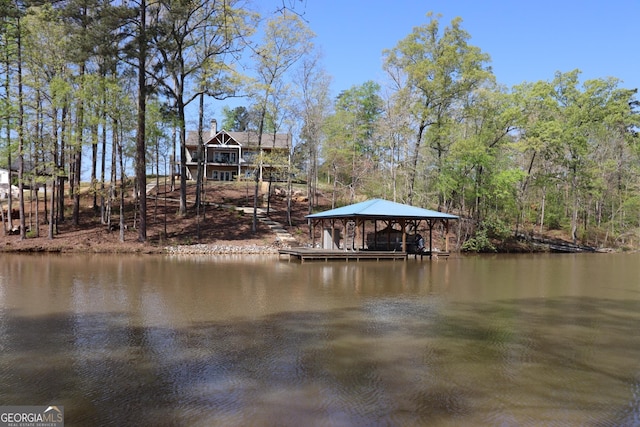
x,y
480,242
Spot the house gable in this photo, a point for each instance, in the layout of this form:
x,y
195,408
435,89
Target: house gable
x,y
247,139
231,155
223,139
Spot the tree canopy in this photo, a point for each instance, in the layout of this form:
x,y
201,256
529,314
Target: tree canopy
x,y
438,131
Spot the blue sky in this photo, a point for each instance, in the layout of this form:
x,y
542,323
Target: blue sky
x,y
527,40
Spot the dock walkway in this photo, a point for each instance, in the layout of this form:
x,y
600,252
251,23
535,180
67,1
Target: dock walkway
x,y
310,254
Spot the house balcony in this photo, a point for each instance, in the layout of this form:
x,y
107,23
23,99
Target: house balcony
x,y
221,162
214,162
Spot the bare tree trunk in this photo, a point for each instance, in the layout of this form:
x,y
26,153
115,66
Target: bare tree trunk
x,y
155,207
7,81
312,178
10,193
103,154
542,208
77,156
52,208
103,164
122,188
201,154
574,220
114,176
414,161
183,159
254,224
94,166
335,185
62,162
172,160
141,152
23,230
4,230
289,188
54,176
37,215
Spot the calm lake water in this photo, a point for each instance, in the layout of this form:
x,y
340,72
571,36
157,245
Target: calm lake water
x,y
236,341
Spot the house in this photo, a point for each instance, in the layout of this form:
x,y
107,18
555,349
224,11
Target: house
x,y
5,183
231,156
4,176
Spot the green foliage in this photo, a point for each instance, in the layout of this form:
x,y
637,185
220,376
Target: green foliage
x,y
480,242
361,107
503,186
490,229
562,154
350,148
496,228
235,120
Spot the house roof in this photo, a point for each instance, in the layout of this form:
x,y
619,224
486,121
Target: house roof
x,y
379,208
250,139
245,139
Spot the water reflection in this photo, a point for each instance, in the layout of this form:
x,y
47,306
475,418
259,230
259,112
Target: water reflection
x,y
225,341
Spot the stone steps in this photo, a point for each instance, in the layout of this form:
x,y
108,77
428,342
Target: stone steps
x,y
281,233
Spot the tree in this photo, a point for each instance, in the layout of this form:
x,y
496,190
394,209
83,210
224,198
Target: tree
x,y
192,37
9,28
313,109
593,115
394,134
477,173
571,127
286,40
350,132
235,120
141,151
434,71
13,34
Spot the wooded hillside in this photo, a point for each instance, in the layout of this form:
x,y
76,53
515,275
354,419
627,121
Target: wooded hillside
x,y
104,92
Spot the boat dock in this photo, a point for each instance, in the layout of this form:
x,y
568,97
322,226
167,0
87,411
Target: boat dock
x,y
310,254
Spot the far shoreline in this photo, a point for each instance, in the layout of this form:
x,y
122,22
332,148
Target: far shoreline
x,y
30,246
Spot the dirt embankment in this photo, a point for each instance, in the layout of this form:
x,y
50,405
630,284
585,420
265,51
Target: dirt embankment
x,y
217,227
217,224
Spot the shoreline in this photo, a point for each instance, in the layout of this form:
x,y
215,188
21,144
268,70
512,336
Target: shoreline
x,y
213,249
29,246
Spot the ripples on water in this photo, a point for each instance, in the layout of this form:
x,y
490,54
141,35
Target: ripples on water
x,y
330,344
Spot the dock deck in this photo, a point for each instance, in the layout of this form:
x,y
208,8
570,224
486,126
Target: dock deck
x,y
310,254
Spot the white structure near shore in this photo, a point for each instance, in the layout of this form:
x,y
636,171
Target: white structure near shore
x,y
5,179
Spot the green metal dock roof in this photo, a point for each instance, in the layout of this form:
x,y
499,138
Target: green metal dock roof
x,y
380,208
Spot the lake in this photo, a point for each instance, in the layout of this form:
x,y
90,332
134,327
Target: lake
x,y
510,340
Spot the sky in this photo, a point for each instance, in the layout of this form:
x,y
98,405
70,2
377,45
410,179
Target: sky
x,y
526,40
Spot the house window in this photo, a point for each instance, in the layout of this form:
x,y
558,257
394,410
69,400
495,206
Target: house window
x,y
248,156
227,158
223,175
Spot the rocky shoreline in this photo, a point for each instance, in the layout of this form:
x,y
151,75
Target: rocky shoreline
x,y
131,247
205,249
